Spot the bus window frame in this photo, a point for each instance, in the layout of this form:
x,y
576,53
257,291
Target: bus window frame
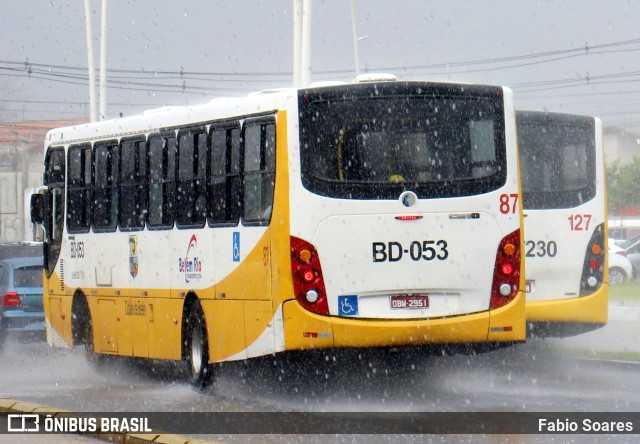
x,y
264,168
140,183
232,177
198,178
71,187
110,185
166,179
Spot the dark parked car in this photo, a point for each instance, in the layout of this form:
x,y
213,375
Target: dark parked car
x,y
21,292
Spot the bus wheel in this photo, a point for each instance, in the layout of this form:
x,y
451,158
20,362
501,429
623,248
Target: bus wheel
x,y
94,358
82,329
617,276
197,348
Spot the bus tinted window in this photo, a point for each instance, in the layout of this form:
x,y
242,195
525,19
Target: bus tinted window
x,y
161,181
133,179
224,176
79,193
259,175
191,191
557,162
54,168
374,147
105,192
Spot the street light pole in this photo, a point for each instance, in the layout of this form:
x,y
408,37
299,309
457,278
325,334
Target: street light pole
x,y
91,67
103,61
356,40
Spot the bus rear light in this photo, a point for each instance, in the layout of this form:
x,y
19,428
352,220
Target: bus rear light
x,y
11,299
312,296
308,275
509,249
308,282
594,259
506,274
304,256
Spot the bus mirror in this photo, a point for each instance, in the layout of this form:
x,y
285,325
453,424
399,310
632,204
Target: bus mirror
x,y
37,207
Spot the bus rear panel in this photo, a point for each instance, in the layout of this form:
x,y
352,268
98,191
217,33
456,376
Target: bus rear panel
x,y
408,203
565,222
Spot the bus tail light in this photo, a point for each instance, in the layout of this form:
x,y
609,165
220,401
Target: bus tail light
x,y
308,283
593,268
506,273
11,299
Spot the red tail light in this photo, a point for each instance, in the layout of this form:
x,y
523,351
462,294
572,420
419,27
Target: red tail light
x,y
506,273
593,268
11,299
308,283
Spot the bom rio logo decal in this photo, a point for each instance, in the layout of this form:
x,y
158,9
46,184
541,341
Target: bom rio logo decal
x,y
191,265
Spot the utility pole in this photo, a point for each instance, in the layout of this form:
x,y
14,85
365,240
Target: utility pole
x,y
301,43
297,39
91,67
103,61
305,59
356,38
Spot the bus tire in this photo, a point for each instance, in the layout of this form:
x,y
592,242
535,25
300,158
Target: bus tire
x,y
617,276
200,372
82,330
95,359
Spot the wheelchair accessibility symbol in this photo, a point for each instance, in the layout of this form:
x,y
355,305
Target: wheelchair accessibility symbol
x,y
348,305
236,246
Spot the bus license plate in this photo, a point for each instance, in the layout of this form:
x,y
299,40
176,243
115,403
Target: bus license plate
x,y
409,301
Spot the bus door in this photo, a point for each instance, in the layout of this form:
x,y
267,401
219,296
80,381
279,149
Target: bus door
x,y
52,218
243,202
54,179
133,194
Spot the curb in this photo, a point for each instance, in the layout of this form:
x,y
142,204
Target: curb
x,y
8,405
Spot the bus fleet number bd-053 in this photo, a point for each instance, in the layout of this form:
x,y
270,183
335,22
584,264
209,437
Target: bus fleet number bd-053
x,y
393,251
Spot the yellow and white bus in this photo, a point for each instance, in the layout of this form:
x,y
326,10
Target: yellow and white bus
x,y
563,188
382,213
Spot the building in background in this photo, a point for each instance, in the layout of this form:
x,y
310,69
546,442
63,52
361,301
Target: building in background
x,y
21,168
620,145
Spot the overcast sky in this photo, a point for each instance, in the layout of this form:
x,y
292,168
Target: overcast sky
x,y
577,56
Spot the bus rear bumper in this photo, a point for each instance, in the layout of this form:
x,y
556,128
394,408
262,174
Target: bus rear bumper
x,y
305,330
568,317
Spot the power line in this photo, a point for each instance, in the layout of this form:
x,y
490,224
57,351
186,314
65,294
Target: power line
x,y
29,67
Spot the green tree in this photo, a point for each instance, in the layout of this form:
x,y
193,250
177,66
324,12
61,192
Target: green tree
x,y
623,185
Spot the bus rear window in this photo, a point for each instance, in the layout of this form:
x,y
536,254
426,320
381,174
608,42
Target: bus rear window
x,y
375,146
557,162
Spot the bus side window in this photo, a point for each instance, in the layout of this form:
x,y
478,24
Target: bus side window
x,y
79,192
191,191
133,179
105,191
223,186
162,181
259,172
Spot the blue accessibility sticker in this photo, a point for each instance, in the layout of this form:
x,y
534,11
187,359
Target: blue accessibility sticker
x,y
236,246
348,305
